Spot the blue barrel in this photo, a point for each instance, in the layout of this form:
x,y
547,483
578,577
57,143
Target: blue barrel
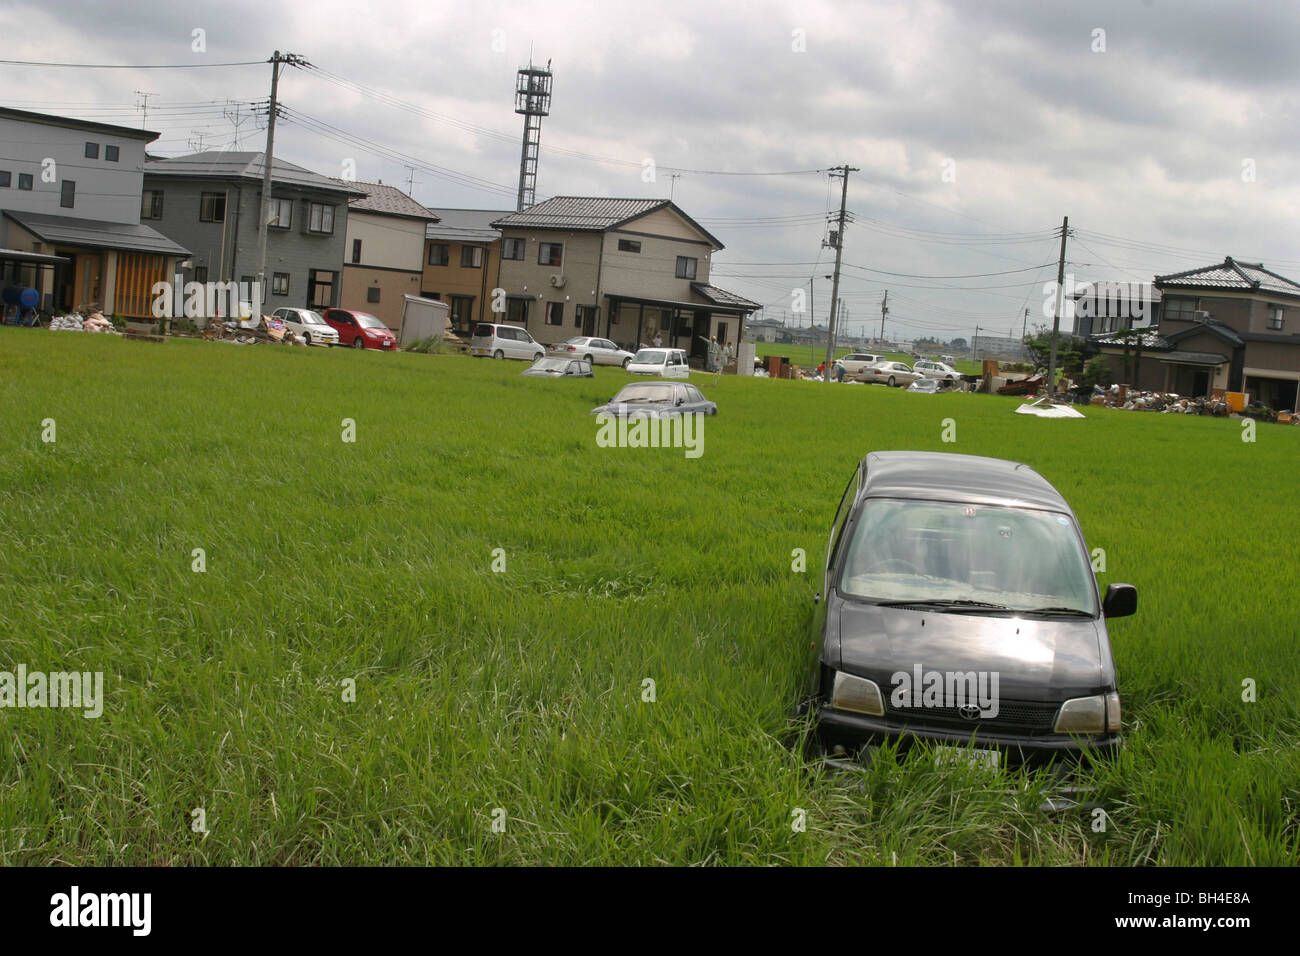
x,y
16,295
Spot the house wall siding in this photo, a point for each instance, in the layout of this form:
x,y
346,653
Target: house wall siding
x,y
287,250
390,242
651,273
453,279
392,285
580,267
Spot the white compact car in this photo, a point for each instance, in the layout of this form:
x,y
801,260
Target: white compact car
x,y
668,363
596,351
936,370
309,324
504,341
855,362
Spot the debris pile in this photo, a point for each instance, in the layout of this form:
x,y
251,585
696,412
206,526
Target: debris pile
x,y
76,322
247,332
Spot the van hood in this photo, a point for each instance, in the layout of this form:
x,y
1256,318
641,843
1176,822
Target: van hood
x,y
1047,659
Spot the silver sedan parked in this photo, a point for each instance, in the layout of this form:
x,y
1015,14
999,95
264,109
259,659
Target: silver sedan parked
x,y
889,373
594,350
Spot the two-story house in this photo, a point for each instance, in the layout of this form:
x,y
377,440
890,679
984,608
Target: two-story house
x,y
385,251
210,203
462,263
70,215
1232,325
622,269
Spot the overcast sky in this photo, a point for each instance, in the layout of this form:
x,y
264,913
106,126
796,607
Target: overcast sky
x,y
1170,140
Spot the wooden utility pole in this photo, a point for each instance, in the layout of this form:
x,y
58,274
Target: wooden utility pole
x,y
844,171
263,220
884,311
1056,314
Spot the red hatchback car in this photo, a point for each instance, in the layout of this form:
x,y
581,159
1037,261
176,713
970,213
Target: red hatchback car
x,y
361,330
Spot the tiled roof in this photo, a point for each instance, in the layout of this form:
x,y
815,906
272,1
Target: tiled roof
x,y
1195,358
591,214
1149,340
1231,274
721,296
95,234
226,164
465,225
386,200
1213,326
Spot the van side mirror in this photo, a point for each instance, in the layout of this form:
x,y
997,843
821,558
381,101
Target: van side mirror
x,y
1121,600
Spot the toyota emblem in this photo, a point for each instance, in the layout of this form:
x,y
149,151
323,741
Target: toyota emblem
x,y
969,711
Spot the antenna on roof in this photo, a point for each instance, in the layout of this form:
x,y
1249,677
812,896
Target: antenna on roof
x,y
144,106
411,180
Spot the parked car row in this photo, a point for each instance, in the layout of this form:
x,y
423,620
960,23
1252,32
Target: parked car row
x,y
359,330
885,372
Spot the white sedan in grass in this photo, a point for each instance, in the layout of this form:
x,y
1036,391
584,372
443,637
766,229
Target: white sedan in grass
x,y
889,373
594,350
310,325
936,370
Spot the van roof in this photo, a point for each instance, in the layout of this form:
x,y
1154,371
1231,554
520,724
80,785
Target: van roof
x,y
943,476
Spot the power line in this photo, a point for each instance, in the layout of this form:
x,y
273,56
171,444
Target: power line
x,y
128,66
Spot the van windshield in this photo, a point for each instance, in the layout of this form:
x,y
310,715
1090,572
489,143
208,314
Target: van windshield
x,y
1021,559
649,357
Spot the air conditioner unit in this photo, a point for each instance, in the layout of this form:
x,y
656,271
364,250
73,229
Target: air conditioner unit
x,y
557,281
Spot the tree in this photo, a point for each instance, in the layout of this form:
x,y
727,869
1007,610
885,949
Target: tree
x,y
1069,350
959,344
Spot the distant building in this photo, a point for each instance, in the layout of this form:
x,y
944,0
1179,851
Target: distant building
x,y
70,205
385,251
462,263
210,202
621,269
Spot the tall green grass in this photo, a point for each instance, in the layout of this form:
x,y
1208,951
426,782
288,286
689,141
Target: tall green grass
x,y
523,689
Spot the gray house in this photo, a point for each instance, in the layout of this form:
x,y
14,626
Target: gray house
x,y
209,202
70,215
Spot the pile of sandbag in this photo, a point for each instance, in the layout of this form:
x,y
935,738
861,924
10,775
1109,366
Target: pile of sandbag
x,y
76,322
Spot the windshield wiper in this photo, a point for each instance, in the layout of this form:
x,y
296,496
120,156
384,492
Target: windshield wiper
x,y
1071,611
945,602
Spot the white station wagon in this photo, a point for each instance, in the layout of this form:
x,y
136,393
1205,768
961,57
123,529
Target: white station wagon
x,y
668,363
310,324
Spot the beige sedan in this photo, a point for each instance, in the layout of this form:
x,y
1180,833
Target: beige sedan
x,y
889,373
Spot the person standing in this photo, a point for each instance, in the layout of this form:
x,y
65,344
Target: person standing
x,y
729,354
659,341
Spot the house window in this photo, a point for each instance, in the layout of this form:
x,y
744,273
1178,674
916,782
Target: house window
x,y
372,294
201,274
24,180
439,254
1275,320
320,219
92,151
6,178
517,312
555,313
686,267
513,249
356,250
151,204
279,283
471,257
629,245
212,207
1179,310
67,194
111,153
550,253
281,213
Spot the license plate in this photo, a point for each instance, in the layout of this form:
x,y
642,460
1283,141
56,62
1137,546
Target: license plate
x,y
959,756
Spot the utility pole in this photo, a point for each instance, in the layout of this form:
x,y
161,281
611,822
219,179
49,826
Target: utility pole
x,y
884,311
268,158
1024,327
844,171
1056,314
144,106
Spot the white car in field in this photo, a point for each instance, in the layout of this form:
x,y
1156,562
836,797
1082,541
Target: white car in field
x,y
504,341
667,363
855,362
311,325
889,373
594,350
936,370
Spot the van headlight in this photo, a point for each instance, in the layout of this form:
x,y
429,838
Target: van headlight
x,y
1089,715
857,694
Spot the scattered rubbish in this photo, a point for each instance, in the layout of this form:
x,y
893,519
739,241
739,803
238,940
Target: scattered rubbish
x,y
1024,386
1044,408
76,322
